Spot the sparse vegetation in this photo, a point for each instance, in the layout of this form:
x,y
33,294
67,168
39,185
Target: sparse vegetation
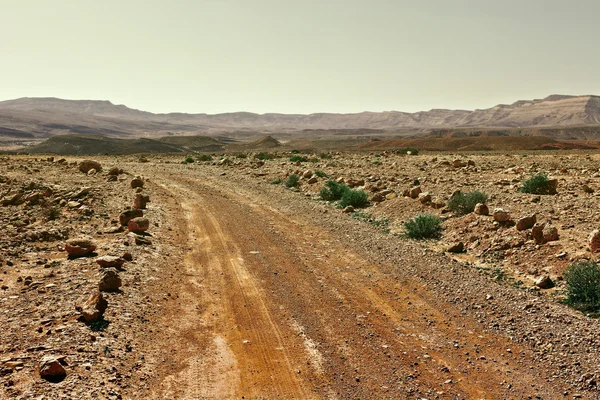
x,y
325,156
583,286
424,226
408,150
292,181
333,190
295,151
205,157
263,155
241,155
189,160
51,213
298,159
537,184
321,174
464,203
382,223
276,181
355,198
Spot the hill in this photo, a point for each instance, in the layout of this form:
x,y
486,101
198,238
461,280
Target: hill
x,y
95,144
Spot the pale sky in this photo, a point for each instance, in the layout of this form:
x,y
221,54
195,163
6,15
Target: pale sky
x,y
299,56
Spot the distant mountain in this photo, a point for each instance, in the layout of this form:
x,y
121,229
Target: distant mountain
x,y
45,117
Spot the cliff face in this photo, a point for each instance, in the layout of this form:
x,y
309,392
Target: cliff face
x,y
49,116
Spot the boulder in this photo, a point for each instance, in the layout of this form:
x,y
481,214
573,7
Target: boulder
x,y
458,247
378,198
424,197
501,215
526,222
544,233
312,179
138,225
544,282
93,308
114,171
137,182
594,241
110,281
348,209
80,247
51,369
128,215
86,165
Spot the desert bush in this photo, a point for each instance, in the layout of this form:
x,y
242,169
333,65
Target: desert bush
x,y
321,174
325,156
424,226
405,150
51,212
464,203
313,159
241,155
355,198
205,157
583,285
537,184
276,181
188,160
333,190
292,181
298,159
263,155
295,151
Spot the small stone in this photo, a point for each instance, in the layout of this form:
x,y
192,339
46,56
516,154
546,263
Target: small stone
x,y
414,192
348,209
424,197
110,281
594,241
526,222
86,165
93,308
137,182
140,200
51,369
80,247
501,215
128,215
138,225
458,247
587,189
544,282
481,209
111,262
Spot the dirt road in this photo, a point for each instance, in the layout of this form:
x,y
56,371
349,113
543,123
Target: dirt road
x,y
275,305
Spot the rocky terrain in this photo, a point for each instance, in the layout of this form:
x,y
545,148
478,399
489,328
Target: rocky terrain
x,y
212,279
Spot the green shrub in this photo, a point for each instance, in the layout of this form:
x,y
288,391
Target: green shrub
x,y
292,181
354,198
405,150
205,157
464,203
313,159
295,151
325,156
333,190
298,159
263,155
537,184
321,174
276,181
583,285
188,160
241,155
424,226
376,162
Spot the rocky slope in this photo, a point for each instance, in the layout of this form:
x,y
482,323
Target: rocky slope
x,y
48,116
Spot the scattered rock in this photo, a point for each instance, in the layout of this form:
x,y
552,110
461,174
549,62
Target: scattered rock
x,y
51,369
587,189
526,222
137,182
544,282
138,224
110,281
348,209
458,247
594,241
414,192
501,215
114,171
111,262
86,165
482,209
128,215
140,200
424,197
93,308
80,247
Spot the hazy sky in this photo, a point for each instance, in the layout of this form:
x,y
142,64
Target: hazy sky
x,y
299,56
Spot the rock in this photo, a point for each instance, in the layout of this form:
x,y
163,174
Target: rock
x,y
348,209
458,164
550,233
482,209
544,282
594,241
80,247
312,179
544,233
137,182
140,200
552,186
501,215
86,165
110,281
424,197
93,308
378,198
127,256
138,224
128,215
587,189
537,233
526,222
141,240
51,369
114,171
414,192
12,199
112,178
111,262
307,174
458,247
92,171
437,203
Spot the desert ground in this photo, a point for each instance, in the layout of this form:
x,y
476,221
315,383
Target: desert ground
x,y
163,279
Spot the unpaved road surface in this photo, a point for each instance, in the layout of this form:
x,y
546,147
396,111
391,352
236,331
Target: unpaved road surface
x,y
274,304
